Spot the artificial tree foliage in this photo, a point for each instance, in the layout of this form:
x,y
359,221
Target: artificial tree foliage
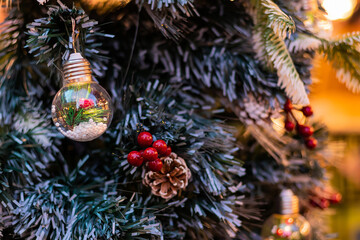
x,y
208,77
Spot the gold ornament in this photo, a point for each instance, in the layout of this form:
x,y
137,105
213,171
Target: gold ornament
x,y
81,110
288,223
173,176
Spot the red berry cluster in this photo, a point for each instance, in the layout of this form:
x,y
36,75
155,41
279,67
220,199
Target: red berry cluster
x,y
150,154
303,130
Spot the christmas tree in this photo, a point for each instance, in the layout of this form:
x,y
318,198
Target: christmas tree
x,y
210,117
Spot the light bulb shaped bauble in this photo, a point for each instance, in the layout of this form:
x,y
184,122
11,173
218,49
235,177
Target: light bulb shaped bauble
x,y
82,109
288,224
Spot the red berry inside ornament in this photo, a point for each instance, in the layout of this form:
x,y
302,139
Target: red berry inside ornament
x,y
150,154
289,125
156,165
305,131
86,103
145,139
288,106
311,143
134,158
307,111
160,146
168,151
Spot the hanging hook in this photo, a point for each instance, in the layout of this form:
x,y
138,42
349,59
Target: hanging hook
x,y
74,35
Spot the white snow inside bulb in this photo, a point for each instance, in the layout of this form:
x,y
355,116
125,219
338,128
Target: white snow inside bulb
x,y
82,109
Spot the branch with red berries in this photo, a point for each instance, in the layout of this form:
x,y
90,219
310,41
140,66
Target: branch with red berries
x,y
291,122
168,173
323,198
151,154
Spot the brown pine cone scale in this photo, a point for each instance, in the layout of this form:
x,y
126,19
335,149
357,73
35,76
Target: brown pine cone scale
x,y
173,176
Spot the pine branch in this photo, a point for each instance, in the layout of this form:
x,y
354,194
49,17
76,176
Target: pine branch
x,y
184,5
303,42
165,24
50,38
169,15
344,55
18,71
216,54
26,149
289,78
277,20
301,171
271,29
75,207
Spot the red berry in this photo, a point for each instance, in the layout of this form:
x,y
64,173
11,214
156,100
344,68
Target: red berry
x,y
141,152
156,165
168,151
160,146
85,103
288,106
321,203
307,111
305,131
324,203
289,125
335,198
145,139
134,158
150,154
311,143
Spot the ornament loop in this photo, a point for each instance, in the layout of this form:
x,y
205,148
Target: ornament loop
x,y
74,34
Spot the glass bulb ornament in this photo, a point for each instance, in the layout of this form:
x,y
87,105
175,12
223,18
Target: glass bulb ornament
x,y
289,224
82,109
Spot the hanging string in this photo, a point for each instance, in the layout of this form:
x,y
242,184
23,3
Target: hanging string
x,y
74,34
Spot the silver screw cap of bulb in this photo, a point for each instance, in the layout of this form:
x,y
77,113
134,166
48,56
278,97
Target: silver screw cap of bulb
x,y
76,69
289,203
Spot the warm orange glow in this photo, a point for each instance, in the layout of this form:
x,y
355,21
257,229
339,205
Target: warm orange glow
x,y
3,14
332,102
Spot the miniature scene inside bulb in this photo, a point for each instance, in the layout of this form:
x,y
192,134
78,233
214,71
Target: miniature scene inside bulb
x,y
82,111
289,227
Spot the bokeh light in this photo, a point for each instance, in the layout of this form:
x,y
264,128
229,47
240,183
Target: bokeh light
x,y
339,9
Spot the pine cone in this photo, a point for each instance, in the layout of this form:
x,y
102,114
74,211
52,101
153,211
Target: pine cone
x,y
252,110
173,176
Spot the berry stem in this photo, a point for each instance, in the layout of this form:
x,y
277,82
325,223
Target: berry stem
x,y
293,116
